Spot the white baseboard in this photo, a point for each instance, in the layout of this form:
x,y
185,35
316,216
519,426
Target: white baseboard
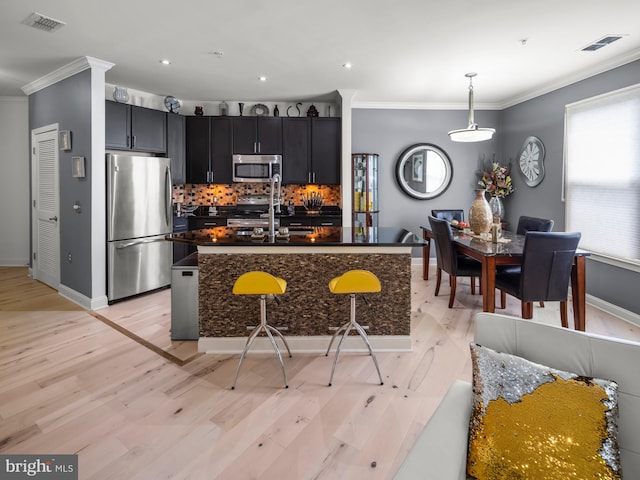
x,y
14,262
611,309
82,300
307,344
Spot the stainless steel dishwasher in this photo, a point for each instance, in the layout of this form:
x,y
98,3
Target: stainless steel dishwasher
x,y
184,299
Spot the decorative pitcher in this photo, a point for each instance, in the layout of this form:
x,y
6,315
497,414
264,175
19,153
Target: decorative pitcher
x,y
480,215
497,208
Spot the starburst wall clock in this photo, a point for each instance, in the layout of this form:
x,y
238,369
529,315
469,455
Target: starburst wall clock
x,y
531,161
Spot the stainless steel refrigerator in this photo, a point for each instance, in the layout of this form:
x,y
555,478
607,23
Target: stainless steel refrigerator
x,y
139,215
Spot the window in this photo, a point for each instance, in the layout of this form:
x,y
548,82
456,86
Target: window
x,y
602,174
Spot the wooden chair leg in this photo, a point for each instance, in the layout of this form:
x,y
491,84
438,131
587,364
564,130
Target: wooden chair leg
x,y
563,314
452,294
542,304
438,279
503,299
473,285
527,310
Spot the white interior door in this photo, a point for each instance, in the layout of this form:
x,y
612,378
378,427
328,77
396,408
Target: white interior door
x,y
45,204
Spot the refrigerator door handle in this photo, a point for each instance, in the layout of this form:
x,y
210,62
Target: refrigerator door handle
x,y
169,196
139,242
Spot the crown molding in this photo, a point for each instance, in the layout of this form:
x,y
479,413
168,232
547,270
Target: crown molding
x,y
79,65
421,106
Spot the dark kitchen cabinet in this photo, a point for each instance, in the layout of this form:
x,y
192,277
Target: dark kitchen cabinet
x,y
209,149
311,221
311,150
197,223
176,131
129,127
222,149
181,250
326,146
198,149
261,135
296,150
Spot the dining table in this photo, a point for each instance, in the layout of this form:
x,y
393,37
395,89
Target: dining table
x,y
507,250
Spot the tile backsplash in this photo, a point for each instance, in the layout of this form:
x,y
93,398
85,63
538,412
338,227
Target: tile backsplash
x,y
202,194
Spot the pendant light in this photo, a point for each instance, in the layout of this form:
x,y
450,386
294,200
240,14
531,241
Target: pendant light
x,y
472,133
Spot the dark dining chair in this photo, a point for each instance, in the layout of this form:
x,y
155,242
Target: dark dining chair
x,y
529,224
448,215
452,262
547,259
533,224
454,214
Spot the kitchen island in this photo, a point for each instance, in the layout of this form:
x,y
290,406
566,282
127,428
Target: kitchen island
x,y
307,259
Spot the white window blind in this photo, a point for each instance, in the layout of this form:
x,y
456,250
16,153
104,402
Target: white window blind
x,y
602,168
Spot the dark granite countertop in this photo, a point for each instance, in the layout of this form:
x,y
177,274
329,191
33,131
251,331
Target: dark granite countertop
x,y
301,236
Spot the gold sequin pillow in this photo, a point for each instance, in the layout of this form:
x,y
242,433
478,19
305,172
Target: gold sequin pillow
x,y
534,422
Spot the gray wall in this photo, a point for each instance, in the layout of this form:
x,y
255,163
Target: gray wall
x,y
389,132
544,117
68,103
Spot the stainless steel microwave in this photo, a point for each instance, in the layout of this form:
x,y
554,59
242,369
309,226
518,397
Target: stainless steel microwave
x,y
256,168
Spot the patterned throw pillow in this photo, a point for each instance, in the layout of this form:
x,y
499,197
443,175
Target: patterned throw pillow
x,y
534,422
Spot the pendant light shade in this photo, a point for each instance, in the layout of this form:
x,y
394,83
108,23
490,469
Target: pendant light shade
x,y
472,133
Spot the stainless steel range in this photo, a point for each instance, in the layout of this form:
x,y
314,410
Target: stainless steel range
x,y
252,211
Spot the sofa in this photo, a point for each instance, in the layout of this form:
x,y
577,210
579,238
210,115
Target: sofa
x,y
440,451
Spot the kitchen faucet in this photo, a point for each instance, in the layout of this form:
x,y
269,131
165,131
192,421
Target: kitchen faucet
x,y
275,179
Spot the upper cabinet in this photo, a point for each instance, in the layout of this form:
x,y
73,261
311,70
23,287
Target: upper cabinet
x,y
262,135
209,149
129,127
326,147
176,132
296,150
311,150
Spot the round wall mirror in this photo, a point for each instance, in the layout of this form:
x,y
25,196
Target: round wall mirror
x,y
424,171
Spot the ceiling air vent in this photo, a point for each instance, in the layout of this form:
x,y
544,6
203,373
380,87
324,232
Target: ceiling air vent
x,y
603,42
42,22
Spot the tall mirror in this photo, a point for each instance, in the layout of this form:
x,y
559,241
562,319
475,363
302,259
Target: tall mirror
x,y
424,171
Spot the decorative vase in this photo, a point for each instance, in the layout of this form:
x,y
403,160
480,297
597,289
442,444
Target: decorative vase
x,y
497,207
480,215
120,94
312,112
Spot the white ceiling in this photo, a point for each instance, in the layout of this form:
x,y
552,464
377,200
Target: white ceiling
x,y
410,53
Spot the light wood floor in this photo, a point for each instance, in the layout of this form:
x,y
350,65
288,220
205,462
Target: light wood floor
x,y
72,383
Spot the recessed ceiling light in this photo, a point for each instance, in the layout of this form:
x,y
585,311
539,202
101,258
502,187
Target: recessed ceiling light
x,y
165,62
262,78
347,65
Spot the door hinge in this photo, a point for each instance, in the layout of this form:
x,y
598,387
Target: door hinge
x,y
34,204
34,255
34,150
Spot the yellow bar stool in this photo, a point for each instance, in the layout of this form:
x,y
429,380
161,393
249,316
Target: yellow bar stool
x,y
263,284
353,282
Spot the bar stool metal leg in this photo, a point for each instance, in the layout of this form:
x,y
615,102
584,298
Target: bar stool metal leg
x,y
347,327
254,334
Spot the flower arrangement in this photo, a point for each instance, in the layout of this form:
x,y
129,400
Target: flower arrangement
x,y
497,180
